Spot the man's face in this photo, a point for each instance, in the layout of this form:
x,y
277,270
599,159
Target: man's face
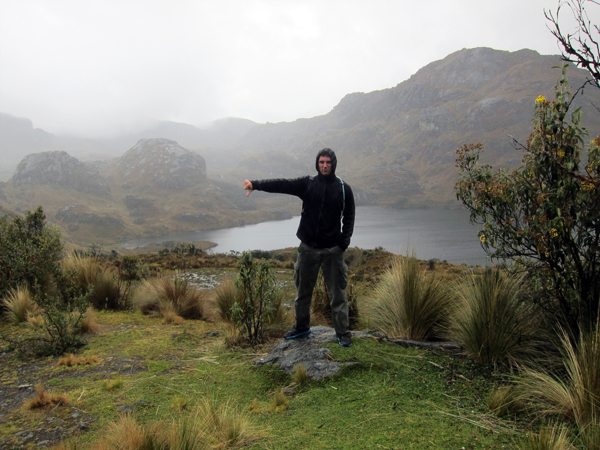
x,y
325,165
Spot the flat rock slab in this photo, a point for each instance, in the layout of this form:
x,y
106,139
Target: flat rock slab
x,y
306,350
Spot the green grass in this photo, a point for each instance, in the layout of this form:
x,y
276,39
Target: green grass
x,y
396,398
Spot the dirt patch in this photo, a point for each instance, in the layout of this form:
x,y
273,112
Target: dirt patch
x,y
48,426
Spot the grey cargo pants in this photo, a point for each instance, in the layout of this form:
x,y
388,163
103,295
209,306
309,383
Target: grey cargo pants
x,y
335,274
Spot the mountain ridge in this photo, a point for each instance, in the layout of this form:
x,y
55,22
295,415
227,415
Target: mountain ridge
x,y
395,146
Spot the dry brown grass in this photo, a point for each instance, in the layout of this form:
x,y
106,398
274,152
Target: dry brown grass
x,y
158,294
19,305
408,303
72,360
89,323
549,438
44,399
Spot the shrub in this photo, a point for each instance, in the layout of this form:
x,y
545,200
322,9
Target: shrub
x,y
19,305
546,212
494,320
259,295
407,303
29,252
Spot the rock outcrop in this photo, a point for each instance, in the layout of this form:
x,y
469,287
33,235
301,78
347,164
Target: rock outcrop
x,y
161,163
59,168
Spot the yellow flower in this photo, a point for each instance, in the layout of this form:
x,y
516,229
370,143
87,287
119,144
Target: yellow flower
x,y
482,238
561,153
553,232
587,187
541,99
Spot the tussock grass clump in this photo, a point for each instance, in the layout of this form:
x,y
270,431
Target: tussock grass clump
x,y
494,321
210,427
226,295
575,394
19,305
232,336
89,322
554,437
108,290
279,402
172,294
44,399
225,426
72,360
127,434
300,374
407,303
504,401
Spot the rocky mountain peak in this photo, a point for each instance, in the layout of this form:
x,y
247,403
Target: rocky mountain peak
x,y
59,168
162,162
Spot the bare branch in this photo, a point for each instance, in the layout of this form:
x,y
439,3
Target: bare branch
x,y
582,46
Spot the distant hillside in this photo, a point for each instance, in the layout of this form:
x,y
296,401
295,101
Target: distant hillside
x,y
18,138
395,147
398,145
157,186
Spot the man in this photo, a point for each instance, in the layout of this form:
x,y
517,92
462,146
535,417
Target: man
x,y
326,226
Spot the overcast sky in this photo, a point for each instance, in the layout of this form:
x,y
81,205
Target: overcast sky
x,y
93,67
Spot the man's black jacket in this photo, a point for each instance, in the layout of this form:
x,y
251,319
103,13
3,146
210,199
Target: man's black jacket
x,y
322,223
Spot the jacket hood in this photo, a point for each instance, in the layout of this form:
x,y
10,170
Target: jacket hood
x,y
331,154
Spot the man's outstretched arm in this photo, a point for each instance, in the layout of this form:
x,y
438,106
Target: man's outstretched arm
x,y
293,186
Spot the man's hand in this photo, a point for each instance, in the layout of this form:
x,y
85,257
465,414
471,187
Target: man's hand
x,y
248,187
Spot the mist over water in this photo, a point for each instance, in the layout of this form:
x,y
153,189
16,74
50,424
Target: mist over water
x,y
430,233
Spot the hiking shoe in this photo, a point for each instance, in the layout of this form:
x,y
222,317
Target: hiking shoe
x,y
293,333
345,340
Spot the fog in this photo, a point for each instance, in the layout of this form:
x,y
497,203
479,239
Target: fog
x,y
101,68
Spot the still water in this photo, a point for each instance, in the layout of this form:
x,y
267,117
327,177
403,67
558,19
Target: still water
x,y
431,233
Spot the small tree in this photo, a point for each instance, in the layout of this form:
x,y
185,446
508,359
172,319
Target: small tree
x,y
29,251
258,291
547,212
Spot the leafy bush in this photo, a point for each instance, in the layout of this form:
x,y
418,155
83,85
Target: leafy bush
x,y
259,296
494,320
29,251
546,212
407,303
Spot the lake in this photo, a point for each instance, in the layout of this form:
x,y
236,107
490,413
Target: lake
x,y
431,233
